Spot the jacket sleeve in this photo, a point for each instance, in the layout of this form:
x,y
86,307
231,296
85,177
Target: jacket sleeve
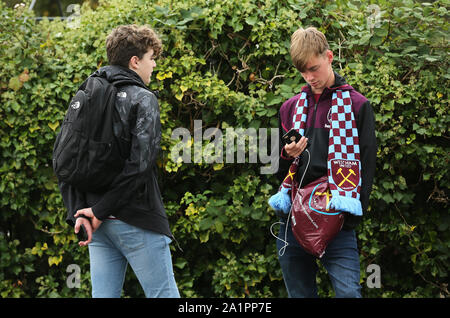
x,y
368,151
73,200
365,122
285,161
145,146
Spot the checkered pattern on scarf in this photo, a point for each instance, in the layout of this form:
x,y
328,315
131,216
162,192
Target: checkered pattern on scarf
x,y
343,142
301,112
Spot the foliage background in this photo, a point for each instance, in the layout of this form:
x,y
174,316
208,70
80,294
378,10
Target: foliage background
x,y
52,8
227,63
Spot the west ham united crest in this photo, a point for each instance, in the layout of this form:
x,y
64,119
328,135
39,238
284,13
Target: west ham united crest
x,y
345,173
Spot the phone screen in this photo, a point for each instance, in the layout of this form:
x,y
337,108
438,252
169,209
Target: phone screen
x,y
291,135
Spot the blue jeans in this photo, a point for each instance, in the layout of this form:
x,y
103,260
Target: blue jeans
x,y
114,245
341,260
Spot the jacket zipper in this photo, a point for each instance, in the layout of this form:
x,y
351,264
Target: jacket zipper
x,y
315,109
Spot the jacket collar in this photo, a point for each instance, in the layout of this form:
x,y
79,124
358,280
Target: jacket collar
x,y
119,75
339,83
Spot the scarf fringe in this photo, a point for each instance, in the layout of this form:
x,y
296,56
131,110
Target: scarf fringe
x,y
281,201
344,204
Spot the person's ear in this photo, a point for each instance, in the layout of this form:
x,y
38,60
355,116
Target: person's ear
x,y
330,56
134,63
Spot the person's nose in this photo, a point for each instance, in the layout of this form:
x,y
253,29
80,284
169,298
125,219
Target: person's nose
x,y
308,76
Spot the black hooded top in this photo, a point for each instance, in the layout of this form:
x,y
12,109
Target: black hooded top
x,y
134,196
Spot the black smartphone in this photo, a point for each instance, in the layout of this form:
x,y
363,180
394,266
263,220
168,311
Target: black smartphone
x,y
291,135
82,234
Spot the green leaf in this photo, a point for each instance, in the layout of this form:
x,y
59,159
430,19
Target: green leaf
x,y
206,224
15,83
251,20
219,226
53,126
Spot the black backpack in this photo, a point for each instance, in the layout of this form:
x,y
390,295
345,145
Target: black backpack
x,y
86,153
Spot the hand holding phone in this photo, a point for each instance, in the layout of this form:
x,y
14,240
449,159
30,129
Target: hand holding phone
x,y
84,228
295,144
292,136
82,234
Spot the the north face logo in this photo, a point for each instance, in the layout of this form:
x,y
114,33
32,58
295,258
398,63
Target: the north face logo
x,y
122,94
75,105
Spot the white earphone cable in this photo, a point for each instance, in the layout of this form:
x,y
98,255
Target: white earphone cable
x,y
283,248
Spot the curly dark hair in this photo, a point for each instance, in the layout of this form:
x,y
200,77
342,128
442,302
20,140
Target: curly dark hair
x,y
127,41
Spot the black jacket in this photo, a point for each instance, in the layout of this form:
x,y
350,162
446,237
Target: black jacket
x,y
317,132
134,196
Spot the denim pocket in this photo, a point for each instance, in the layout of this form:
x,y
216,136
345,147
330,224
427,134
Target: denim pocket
x,y
130,237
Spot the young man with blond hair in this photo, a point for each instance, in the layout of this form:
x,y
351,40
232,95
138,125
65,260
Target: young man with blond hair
x,y
325,134
127,223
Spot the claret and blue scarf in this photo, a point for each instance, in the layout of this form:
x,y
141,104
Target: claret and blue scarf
x,y
344,166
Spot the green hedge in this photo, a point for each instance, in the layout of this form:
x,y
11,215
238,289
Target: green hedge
x,y
227,63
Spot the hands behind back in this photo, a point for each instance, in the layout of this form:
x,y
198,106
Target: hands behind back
x,y
90,223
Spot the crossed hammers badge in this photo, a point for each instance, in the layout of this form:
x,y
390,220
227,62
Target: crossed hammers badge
x,y
345,173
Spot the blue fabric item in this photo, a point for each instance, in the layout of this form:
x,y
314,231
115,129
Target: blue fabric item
x,y
281,201
341,261
345,204
116,244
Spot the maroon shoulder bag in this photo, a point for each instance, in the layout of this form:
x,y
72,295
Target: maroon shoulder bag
x,y
312,224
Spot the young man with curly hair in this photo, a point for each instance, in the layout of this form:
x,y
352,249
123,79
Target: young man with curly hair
x,y
127,224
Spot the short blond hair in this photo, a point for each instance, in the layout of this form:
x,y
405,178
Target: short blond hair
x,y
306,43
